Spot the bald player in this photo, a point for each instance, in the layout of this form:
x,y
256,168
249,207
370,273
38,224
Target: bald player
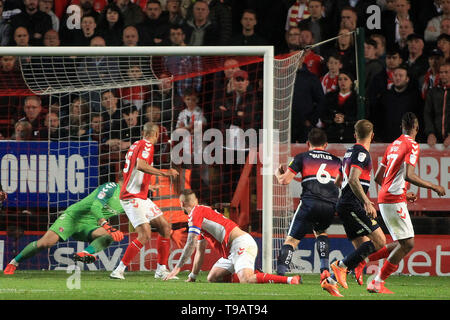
x,y
142,213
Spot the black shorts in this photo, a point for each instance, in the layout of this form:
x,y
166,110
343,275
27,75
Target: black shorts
x,y
310,215
355,220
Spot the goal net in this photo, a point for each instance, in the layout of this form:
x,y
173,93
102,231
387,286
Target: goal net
x,y
208,102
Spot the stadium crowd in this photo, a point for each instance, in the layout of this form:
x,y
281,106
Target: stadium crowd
x,y
407,67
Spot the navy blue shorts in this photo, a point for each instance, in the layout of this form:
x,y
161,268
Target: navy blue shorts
x,y
310,215
355,220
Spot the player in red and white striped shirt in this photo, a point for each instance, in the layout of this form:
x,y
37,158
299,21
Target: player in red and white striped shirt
x,y
329,80
237,247
396,170
140,210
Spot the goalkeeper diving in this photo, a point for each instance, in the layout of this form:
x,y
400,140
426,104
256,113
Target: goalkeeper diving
x,y
86,220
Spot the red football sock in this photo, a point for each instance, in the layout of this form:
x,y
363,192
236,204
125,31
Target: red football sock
x,y
387,269
380,254
132,250
163,246
270,278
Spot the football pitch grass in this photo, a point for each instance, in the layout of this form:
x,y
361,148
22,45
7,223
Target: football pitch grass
x,y
96,285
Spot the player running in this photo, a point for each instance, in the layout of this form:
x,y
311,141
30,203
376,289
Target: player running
x,y
141,211
355,209
85,221
395,172
237,247
320,181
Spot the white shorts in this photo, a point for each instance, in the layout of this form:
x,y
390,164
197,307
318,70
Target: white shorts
x,y
140,211
243,254
397,220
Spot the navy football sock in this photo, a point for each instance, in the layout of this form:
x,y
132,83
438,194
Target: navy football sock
x,y
362,252
323,249
284,259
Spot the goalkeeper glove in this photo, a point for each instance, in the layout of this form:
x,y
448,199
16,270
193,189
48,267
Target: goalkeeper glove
x,y
117,235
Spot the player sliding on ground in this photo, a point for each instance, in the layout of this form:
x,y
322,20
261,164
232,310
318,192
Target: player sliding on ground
x,y
396,170
238,248
140,210
85,221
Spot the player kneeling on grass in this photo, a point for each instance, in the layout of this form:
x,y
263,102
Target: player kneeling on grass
x,y
83,221
238,248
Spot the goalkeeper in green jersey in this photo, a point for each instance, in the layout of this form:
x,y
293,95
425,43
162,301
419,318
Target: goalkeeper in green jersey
x,y
83,221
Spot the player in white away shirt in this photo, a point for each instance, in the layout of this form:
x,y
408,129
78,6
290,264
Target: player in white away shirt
x,y
140,210
396,170
237,247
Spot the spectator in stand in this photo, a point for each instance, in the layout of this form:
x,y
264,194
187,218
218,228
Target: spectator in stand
x,y
46,6
51,39
349,19
23,131
35,21
83,36
391,26
130,36
162,148
431,79
112,118
293,40
319,25
381,46
344,47
382,81
433,29
21,37
163,96
373,64
436,113
132,13
330,80
131,126
180,65
174,15
200,31
445,26
192,115
308,96
96,130
52,129
443,43
111,25
5,27
339,110
394,103
154,29
296,13
405,28
135,95
78,118
425,11
220,13
10,76
34,114
68,31
417,61
224,83
312,60
248,36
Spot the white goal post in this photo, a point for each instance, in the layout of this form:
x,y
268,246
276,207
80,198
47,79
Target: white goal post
x,y
269,96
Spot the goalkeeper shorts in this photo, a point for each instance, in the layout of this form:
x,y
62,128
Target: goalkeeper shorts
x,y
140,211
67,226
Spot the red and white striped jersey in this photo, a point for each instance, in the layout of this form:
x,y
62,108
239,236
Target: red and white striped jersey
x,y
329,84
135,182
211,225
398,154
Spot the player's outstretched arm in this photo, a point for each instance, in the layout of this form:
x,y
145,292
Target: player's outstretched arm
x,y
185,255
413,178
143,166
198,260
284,177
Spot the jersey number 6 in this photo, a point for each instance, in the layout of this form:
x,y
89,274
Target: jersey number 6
x,y
322,175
